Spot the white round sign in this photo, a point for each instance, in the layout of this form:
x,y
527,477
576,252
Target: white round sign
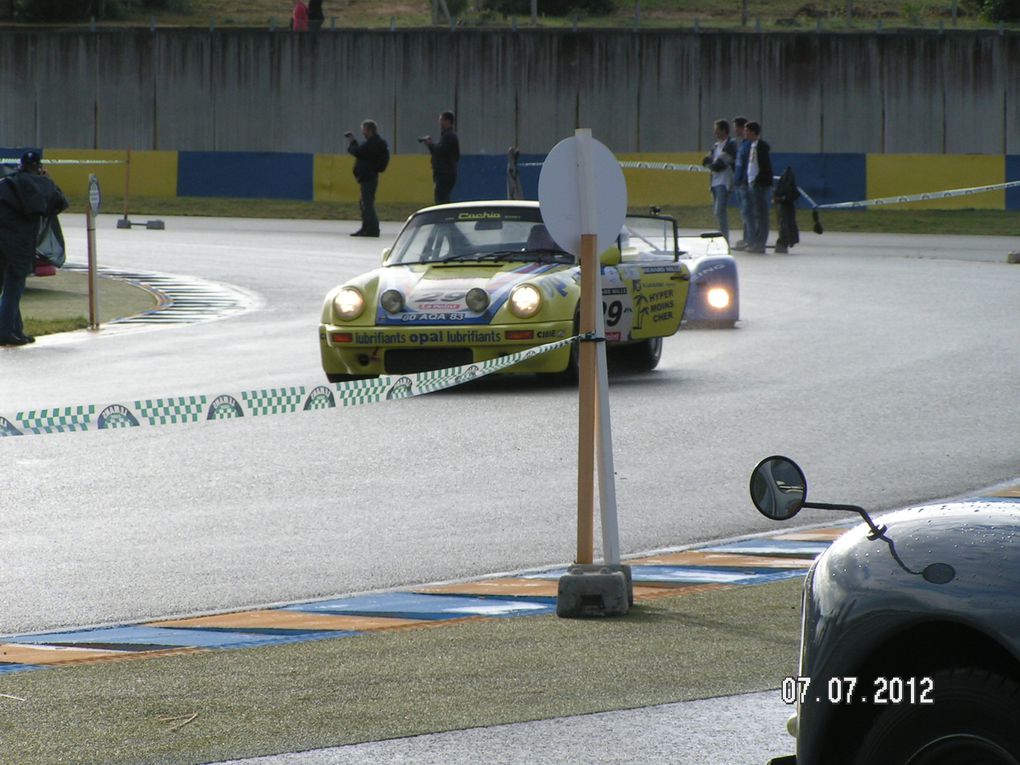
x,y
94,196
559,195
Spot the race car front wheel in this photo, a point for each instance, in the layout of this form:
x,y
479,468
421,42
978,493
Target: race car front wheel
x,y
644,355
971,719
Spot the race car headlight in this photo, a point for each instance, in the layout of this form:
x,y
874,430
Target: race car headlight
x,y
477,299
348,303
718,297
525,301
392,301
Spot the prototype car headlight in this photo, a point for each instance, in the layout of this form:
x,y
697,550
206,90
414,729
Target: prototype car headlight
x,y
718,297
348,303
392,301
525,301
477,299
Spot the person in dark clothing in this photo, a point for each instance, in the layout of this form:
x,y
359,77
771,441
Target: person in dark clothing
x,y
786,196
445,156
315,17
370,158
740,179
759,186
26,197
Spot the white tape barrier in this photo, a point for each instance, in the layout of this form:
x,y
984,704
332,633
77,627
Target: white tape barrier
x,y
188,410
903,198
664,166
17,160
920,197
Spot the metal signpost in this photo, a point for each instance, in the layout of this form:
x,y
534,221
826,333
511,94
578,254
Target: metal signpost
x,y
91,211
583,198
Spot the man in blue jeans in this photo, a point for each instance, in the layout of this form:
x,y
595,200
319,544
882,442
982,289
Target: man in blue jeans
x,y
759,186
740,179
720,162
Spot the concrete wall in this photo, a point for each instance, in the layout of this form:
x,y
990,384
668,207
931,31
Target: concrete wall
x,y
647,91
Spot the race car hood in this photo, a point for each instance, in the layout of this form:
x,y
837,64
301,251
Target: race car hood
x,y
437,294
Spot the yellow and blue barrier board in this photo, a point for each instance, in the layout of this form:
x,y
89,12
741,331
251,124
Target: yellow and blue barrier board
x,y
827,178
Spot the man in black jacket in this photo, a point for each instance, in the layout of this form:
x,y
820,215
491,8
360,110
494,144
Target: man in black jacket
x,y
370,158
26,197
445,156
759,183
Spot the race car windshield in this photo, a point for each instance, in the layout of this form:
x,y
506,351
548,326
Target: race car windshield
x,y
476,234
648,234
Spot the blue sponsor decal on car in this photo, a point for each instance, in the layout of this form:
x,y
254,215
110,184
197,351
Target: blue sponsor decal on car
x,y
443,301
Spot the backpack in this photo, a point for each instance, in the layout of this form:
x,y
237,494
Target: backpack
x,y
384,159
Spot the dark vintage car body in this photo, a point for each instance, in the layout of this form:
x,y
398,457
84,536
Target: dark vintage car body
x,y
910,642
868,617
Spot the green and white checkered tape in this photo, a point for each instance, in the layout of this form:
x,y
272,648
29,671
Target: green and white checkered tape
x,y
185,410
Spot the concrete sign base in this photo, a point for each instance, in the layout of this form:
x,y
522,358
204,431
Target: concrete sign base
x,y
595,590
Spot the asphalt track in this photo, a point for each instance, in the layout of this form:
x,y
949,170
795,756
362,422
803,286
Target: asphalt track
x,y
884,364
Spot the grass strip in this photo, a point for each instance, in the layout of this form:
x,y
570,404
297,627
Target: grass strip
x,y
220,705
60,303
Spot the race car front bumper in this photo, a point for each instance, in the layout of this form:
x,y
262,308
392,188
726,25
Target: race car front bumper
x,y
407,349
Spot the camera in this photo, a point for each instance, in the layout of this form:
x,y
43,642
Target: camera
x,y
422,138
348,134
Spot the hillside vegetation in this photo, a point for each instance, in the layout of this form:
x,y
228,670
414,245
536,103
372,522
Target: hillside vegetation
x,y
750,15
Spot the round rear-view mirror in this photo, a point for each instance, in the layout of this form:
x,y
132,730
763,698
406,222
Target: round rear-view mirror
x,y
778,488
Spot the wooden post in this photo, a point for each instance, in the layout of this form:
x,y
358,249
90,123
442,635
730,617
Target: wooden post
x,y
127,182
90,220
586,408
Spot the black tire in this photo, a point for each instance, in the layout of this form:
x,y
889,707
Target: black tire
x,y
643,356
972,721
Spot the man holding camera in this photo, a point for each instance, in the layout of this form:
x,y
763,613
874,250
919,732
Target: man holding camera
x,y
370,158
445,156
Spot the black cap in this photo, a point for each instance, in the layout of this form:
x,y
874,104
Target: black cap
x,y
31,158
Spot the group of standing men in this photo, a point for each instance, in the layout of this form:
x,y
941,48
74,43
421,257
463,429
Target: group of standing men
x,y
741,163
372,155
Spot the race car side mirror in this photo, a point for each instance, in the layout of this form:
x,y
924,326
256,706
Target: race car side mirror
x,y
385,254
778,488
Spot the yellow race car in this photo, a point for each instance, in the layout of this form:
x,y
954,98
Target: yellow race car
x,y
468,282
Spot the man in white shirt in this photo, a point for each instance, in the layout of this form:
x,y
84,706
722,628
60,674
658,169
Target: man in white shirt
x,y
720,161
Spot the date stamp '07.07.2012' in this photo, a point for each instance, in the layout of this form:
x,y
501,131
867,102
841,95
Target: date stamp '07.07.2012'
x,y
847,690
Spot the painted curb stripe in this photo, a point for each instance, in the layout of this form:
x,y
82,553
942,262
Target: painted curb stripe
x,y
414,605
699,570
696,575
723,560
772,547
283,621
